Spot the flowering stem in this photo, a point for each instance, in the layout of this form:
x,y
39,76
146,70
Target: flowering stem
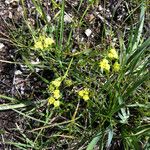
x,y
66,73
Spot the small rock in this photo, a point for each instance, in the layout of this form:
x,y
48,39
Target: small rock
x,y
88,32
1,46
82,39
10,1
37,69
10,15
48,18
58,1
100,8
19,9
67,18
18,72
74,50
35,62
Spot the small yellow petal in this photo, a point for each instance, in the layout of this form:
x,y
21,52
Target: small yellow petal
x,y
81,93
57,103
107,67
105,61
56,82
86,97
48,42
113,54
112,50
104,64
110,55
51,100
38,45
56,94
86,91
68,82
41,38
51,88
116,67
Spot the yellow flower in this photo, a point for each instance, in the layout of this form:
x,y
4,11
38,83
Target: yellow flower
x,y
43,42
56,94
51,88
81,93
57,103
56,82
86,97
48,42
68,82
84,94
51,100
38,45
86,91
110,55
116,67
41,38
113,54
104,64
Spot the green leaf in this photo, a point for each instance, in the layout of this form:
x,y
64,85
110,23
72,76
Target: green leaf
x,y
136,84
139,50
140,29
110,137
93,143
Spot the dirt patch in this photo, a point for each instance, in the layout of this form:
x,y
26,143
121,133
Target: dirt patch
x,y
7,118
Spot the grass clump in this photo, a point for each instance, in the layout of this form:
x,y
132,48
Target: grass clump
x,y
95,98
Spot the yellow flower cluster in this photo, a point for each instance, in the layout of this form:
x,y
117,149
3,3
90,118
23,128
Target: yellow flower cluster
x,y
56,82
54,99
68,82
84,94
51,100
56,95
43,42
116,66
113,54
104,63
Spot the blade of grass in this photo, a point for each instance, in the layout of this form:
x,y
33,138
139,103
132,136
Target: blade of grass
x,y
27,116
93,143
110,137
135,85
139,32
40,10
62,25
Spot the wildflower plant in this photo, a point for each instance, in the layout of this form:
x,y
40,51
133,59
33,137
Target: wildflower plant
x,y
55,92
113,87
43,42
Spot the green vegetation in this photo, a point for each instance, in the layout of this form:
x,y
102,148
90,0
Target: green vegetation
x,y
95,97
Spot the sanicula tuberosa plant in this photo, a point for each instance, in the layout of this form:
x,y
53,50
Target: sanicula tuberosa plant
x,y
55,92
94,98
